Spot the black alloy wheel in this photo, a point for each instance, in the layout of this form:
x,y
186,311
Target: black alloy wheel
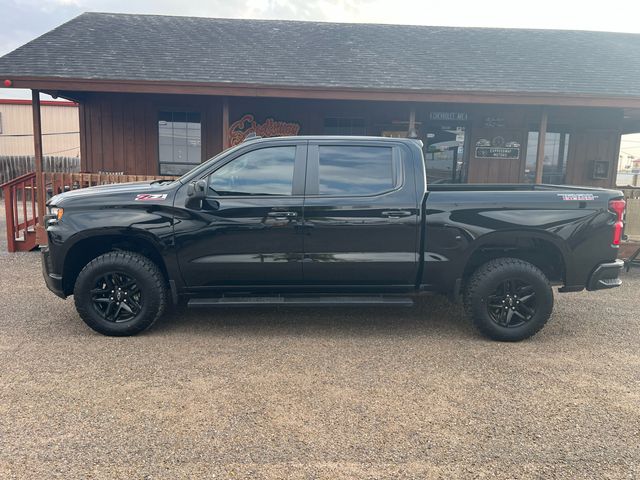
x,y
117,297
512,304
120,293
508,299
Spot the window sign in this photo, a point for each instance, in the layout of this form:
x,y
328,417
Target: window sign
x,y
448,116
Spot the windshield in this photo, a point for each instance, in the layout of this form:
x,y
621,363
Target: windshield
x,y
205,165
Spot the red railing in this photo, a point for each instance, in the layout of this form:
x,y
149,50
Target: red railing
x,y
21,202
21,212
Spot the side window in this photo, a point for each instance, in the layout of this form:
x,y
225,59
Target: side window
x,y
356,170
268,171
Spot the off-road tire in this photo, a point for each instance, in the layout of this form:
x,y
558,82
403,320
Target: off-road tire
x,y
150,282
482,285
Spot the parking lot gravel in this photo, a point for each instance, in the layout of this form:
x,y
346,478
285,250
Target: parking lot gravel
x,y
322,393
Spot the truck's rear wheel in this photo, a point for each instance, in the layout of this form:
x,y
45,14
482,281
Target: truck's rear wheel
x,y
120,293
508,299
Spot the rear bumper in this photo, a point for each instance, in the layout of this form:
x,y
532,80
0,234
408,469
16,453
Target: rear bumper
x,y
606,276
53,280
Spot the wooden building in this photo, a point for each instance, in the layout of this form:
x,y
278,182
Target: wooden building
x,y
158,94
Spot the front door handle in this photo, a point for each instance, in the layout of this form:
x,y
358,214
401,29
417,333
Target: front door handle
x,y
396,213
283,215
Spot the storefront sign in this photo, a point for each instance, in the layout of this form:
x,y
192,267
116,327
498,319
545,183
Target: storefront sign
x,y
448,116
498,152
497,148
239,130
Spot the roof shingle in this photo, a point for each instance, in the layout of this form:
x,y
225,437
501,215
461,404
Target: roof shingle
x,y
310,54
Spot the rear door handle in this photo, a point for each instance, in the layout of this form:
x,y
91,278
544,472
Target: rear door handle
x,y
396,213
286,214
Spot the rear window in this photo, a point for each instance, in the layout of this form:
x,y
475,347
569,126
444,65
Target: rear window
x,y
355,170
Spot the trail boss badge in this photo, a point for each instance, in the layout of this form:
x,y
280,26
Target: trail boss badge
x,y
580,197
145,197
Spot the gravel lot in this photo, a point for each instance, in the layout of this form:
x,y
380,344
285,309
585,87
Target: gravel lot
x,y
289,393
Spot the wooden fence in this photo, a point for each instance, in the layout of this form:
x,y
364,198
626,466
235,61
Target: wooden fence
x,y
15,166
21,205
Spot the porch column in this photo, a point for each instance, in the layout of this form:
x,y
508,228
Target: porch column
x,y
225,123
41,195
542,133
412,133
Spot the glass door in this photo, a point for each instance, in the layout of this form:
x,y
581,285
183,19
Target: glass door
x,y
444,153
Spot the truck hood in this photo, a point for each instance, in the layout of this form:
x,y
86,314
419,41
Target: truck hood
x,y
132,188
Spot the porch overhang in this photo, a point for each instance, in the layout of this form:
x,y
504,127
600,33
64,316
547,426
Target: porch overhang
x,y
58,85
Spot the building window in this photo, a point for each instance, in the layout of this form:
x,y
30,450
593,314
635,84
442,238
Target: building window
x,y
344,126
556,152
179,148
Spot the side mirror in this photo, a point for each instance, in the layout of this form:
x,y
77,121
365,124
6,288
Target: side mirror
x,y
197,190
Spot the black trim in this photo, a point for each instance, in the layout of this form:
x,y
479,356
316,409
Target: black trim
x,y
313,169
307,301
174,292
606,276
299,170
52,280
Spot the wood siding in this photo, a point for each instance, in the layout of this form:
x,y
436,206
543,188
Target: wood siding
x,y
119,133
497,170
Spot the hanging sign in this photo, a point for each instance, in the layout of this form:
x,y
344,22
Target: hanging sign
x,y
497,148
239,130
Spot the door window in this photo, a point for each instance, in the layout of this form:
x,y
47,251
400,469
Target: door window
x,y
355,170
268,171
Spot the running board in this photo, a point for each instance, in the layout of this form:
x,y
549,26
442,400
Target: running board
x,y
318,301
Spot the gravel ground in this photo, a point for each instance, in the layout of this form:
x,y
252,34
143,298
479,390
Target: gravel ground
x,y
337,394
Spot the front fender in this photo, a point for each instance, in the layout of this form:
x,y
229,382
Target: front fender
x,y
79,230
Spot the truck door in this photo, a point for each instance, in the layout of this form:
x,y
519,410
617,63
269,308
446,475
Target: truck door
x,y
361,214
247,232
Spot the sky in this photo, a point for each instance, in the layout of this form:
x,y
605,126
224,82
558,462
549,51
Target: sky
x,y
24,20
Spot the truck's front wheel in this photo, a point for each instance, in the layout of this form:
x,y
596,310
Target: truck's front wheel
x,y
120,293
508,299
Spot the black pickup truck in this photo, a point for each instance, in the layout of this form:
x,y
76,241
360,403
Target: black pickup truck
x,y
328,221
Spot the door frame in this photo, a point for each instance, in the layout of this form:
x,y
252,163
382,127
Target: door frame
x,y
298,186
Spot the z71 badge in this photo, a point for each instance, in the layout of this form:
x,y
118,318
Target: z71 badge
x,y
145,197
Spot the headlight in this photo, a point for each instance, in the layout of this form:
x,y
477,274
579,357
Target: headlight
x,y
56,212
